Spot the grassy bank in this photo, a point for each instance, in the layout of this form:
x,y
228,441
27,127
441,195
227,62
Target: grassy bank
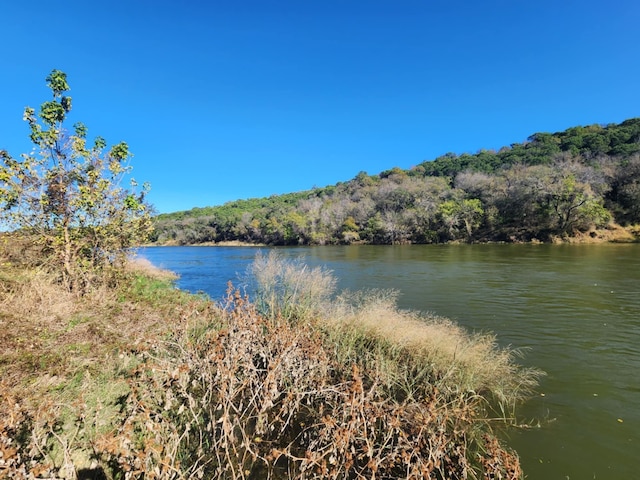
x,y
140,380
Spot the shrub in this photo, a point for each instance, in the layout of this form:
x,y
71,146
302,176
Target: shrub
x,y
68,198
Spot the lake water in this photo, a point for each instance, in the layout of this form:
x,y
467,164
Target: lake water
x,y
575,308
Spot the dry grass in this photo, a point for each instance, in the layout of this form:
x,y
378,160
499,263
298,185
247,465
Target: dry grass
x,y
47,328
143,381
258,397
611,233
457,360
142,266
289,288
63,362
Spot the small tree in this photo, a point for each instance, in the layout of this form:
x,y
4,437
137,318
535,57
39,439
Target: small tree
x,y
70,196
457,211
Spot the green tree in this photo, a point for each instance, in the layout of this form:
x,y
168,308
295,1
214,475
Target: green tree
x,y
626,191
70,197
457,213
572,204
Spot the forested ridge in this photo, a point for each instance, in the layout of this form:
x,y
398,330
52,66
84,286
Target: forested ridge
x,y
553,185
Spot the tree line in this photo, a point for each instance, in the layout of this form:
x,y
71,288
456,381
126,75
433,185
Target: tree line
x,y
552,185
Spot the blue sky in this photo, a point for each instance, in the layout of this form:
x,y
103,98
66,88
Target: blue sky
x,y
221,100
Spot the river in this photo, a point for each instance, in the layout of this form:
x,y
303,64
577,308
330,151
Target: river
x,y
575,309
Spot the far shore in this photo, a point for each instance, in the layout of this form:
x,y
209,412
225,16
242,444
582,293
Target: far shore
x,y
613,234
228,243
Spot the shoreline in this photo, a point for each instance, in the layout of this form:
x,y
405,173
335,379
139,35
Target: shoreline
x,y
614,234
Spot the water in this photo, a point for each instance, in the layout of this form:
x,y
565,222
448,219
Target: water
x,y
575,308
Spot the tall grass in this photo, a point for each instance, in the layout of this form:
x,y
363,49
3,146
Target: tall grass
x,y
456,360
299,383
289,288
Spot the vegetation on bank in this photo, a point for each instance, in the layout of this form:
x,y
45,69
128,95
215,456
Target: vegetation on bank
x,y
554,185
140,380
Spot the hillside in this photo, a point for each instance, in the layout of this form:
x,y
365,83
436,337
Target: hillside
x,y
553,185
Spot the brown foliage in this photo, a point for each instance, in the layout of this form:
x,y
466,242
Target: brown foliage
x,y
223,392
263,397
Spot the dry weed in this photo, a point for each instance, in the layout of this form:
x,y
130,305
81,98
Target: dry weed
x,y
142,266
458,360
358,390
262,397
289,288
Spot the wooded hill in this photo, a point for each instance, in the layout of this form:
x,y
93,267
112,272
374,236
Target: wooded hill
x,y
552,185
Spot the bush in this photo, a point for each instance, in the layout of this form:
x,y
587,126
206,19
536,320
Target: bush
x,y
67,197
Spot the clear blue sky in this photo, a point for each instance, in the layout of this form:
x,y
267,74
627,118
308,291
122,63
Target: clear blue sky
x,y
221,100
